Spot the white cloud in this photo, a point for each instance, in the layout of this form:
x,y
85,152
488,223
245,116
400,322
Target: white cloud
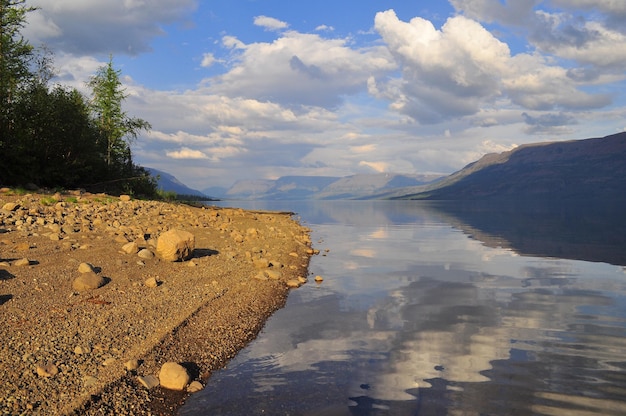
x,y
208,59
270,23
186,153
324,28
300,69
463,68
102,26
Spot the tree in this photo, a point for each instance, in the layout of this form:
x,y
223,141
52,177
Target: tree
x,y
15,57
117,130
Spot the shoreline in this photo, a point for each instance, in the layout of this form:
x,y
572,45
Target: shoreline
x,y
199,312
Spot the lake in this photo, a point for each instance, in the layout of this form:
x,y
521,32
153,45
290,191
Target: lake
x,y
435,309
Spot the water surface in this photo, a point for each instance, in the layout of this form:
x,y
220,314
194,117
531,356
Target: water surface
x,y
434,310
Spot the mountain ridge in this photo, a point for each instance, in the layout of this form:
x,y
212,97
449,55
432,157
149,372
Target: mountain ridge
x,y
567,170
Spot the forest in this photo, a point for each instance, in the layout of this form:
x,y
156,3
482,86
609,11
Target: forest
x,y
55,137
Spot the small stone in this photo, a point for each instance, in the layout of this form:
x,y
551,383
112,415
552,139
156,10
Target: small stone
x,y
191,263
293,283
273,274
130,248
88,281
303,279
108,362
125,198
151,282
319,279
131,365
194,387
47,370
173,376
10,206
145,254
85,268
82,349
22,262
149,381
293,254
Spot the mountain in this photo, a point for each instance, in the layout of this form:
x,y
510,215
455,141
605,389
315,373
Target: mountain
x,y
323,187
568,170
169,183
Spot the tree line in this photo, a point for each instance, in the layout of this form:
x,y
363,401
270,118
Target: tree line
x,y
53,136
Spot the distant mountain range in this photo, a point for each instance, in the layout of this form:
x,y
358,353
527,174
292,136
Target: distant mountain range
x,y
321,187
590,169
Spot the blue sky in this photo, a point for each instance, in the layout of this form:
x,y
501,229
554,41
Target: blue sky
x,y
250,89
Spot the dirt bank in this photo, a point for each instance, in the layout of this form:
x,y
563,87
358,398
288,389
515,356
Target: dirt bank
x,y
66,351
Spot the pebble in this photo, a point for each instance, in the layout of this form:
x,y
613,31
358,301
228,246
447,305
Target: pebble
x,y
150,381
151,282
85,268
293,283
22,262
194,387
47,370
130,248
146,254
131,365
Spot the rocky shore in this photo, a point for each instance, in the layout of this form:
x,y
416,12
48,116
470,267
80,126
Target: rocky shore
x,y
97,318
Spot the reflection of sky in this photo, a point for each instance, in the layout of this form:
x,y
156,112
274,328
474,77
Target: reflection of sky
x,y
408,308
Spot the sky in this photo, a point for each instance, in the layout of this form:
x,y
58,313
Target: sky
x,y
259,89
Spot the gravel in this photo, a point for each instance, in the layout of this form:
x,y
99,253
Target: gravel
x,y
76,352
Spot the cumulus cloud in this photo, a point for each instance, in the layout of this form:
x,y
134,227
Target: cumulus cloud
x,y
102,26
270,23
595,39
300,69
461,68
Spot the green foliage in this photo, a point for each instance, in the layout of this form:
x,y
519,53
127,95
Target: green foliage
x,y
15,56
167,195
54,136
114,126
48,200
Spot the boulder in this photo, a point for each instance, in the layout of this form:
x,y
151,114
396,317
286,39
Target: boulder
x,y
175,245
88,281
173,376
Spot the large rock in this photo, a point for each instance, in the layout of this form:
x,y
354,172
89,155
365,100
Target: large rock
x,y
88,281
173,376
176,245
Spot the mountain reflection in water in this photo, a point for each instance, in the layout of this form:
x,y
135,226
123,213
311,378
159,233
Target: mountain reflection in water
x,y
431,310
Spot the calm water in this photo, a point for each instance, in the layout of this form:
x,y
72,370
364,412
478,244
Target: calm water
x,y
430,310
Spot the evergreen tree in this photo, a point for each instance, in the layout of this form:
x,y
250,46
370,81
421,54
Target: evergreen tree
x,y
117,130
15,58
